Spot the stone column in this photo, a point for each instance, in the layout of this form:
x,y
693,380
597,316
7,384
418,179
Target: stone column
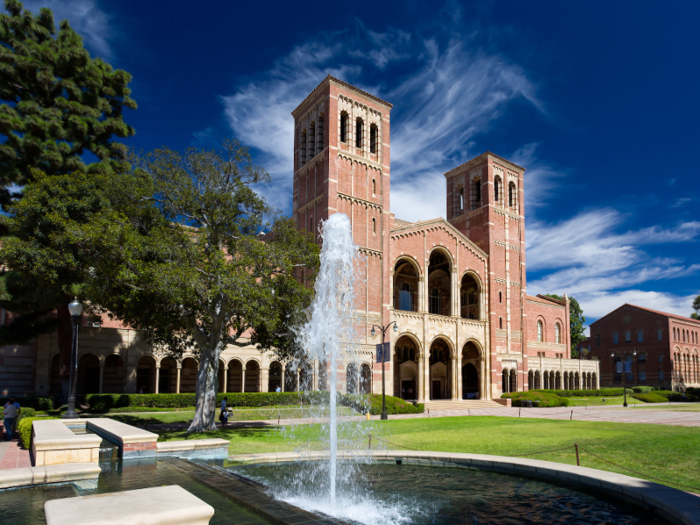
x,y
426,378
421,380
315,385
296,388
455,293
460,393
157,378
260,378
484,394
225,385
242,379
177,382
102,371
283,370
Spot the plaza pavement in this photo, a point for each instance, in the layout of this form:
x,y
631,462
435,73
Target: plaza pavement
x,y
13,456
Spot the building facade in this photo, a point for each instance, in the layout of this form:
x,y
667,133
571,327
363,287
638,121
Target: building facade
x,y
455,286
662,348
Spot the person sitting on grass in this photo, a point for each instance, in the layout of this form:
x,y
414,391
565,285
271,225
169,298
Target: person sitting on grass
x,y
223,417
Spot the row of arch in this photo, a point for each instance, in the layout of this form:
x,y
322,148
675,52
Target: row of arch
x,y
687,336
408,287
686,366
556,380
359,132
475,200
311,141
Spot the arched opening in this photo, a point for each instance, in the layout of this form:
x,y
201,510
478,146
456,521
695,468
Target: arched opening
x,y
545,381
365,379
512,193
405,286
351,379
440,370
475,193
146,375
323,375
497,189
319,134
513,381
374,186
505,381
88,374
344,127
470,293
373,139
530,380
594,379
275,377
439,285
306,377
405,368
235,376
538,380
471,366
55,388
252,376
188,376
540,331
312,140
460,195
557,333
302,151
290,378
374,226
114,375
558,381
359,129
167,377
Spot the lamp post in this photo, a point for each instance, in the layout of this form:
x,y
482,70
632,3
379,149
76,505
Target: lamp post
x,y
384,330
624,373
75,309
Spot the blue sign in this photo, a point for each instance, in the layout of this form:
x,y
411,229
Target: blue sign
x,y
383,353
619,367
628,367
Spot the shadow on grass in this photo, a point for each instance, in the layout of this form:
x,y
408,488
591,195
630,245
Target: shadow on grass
x,y
239,431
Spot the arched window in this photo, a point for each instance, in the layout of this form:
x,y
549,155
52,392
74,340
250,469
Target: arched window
x,y
615,338
344,127
405,297
311,224
374,186
435,301
496,188
628,336
640,336
359,125
460,193
557,333
500,297
312,140
302,143
476,193
540,331
373,139
659,334
684,336
500,322
319,135
374,226
511,195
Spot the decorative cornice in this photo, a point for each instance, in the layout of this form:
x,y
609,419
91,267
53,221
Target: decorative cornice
x,y
370,251
351,198
309,204
359,160
439,223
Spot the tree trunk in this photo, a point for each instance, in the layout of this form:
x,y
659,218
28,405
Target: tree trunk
x,y
207,385
65,336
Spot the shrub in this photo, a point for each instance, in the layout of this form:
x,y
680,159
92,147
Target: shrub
x,y
26,412
677,396
37,403
394,405
24,429
642,389
603,392
651,397
538,398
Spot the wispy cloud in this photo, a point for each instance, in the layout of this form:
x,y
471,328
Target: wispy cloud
x,y
86,17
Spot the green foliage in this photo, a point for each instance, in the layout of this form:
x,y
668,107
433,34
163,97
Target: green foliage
x,y
576,321
642,389
539,399
650,398
373,402
24,429
58,103
37,403
603,392
678,396
696,307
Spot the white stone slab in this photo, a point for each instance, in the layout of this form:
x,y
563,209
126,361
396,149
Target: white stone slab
x,y
170,505
27,476
121,432
53,443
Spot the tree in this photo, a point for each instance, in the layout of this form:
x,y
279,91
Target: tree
x,y
576,321
57,104
696,307
172,247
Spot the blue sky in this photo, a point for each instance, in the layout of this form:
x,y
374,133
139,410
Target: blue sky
x,y
598,100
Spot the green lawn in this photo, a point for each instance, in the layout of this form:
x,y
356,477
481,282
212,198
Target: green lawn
x,y
598,401
666,452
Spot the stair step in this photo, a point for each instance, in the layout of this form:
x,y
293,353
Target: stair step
x,y
461,405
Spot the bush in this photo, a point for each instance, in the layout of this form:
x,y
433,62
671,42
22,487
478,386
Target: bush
x,y
394,405
538,398
603,392
651,397
26,412
677,396
37,403
24,429
642,389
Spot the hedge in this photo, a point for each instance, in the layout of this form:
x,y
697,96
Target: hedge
x,y
603,392
642,389
24,429
538,398
394,405
651,397
37,403
677,396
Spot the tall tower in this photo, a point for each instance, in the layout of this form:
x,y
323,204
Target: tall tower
x,y
341,165
485,202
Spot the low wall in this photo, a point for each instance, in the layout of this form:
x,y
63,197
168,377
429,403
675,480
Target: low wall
x,y
53,443
84,475
133,442
194,448
673,504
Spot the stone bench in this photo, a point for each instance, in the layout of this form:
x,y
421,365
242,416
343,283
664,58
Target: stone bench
x,y
84,475
53,444
194,448
171,505
133,442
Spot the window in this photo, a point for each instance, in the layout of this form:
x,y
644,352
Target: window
x,y
629,376
597,339
373,139
405,298
374,186
659,334
435,301
374,226
500,322
311,224
540,331
461,199
476,193
358,133
661,375
640,336
615,338
661,358
684,336
642,375
628,336
312,140
500,297
302,143
319,131
496,188
557,333
343,127
512,195
642,358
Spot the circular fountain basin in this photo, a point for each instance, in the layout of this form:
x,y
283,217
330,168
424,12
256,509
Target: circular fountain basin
x,y
399,487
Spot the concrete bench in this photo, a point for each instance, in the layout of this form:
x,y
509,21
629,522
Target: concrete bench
x,y
53,443
194,448
133,442
171,505
82,474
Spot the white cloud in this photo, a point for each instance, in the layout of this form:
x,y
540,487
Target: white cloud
x,y
598,304
86,17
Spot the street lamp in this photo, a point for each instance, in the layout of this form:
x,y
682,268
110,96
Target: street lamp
x,y
384,331
75,309
624,373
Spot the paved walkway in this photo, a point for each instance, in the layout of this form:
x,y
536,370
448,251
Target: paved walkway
x,y
13,456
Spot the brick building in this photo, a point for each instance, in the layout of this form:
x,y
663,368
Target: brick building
x,y
456,286
666,347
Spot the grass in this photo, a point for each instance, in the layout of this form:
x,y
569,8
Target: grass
x,y
598,401
653,451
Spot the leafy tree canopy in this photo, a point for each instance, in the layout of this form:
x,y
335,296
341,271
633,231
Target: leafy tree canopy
x,y
696,307
576,322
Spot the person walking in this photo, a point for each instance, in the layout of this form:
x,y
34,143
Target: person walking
x,y
223,417
9,414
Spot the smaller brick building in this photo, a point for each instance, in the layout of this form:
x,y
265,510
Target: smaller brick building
x,y
666,348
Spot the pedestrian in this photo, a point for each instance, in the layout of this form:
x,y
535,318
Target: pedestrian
x,y
223,417
9,415
278,389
